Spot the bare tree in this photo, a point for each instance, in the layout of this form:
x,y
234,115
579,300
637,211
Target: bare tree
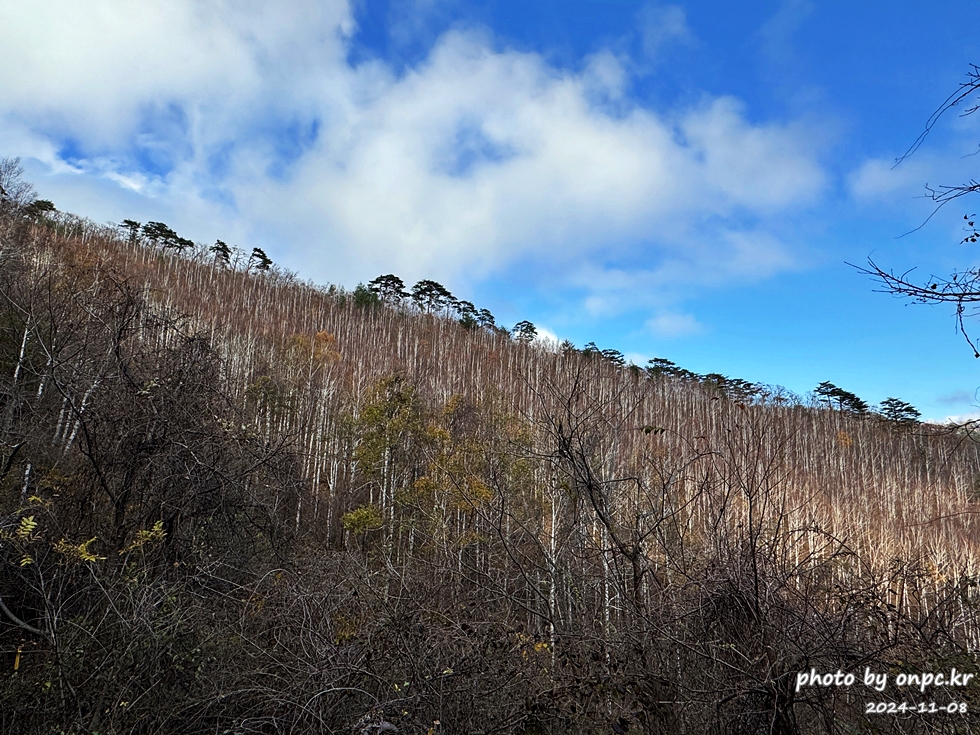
x,y
961,288
14,190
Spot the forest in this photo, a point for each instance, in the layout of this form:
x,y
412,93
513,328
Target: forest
x,y
235,502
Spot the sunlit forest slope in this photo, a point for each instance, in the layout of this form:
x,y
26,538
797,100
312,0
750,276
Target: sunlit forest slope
x,y
234,502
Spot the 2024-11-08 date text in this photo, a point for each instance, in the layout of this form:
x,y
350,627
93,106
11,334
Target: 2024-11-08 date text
x,y
924,708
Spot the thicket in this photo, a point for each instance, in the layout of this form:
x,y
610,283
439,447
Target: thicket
x,y
232,502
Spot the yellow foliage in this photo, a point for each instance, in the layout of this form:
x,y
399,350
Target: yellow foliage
x,y
255,604
78,552
300,350
437,433
298,343
478,491
453,403
524,642
345,628
143,536
325,347
423,490
389,426
26,527
468,538
361,519
469,492
844,439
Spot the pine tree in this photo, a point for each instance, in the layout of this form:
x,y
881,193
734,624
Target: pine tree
x,y
389,288
524,331
222,253
897,410
259,259
432,297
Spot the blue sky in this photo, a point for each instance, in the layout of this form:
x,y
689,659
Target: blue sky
x,y
671,180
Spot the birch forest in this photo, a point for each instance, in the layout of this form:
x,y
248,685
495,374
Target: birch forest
x,y
233,502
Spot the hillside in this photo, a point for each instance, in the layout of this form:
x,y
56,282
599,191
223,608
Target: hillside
x,y
235,502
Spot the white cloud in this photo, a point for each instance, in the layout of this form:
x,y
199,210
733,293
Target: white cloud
x,y
547,339
245,116
411,22
605,77
93,71
674,325
762,167
957,419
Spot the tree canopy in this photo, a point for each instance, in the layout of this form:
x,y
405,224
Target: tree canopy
x,y
431,297
524,331
389,288
259,260
132,228
165,236
846,401
39,208
222,253
899,411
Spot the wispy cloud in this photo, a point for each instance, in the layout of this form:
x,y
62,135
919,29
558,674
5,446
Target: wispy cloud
x,y
778,32
661,26
674,325
958,397
877,179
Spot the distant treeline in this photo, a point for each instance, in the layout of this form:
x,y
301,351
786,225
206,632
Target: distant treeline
x,y
431,297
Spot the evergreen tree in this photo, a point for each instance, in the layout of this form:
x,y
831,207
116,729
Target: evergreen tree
x,y
259,259
845,400
524,332
222,253
660,366
740,390
159,233
163,235
365,297
389,288
897,410
486,320
38,208
615,357
133,228
431,297
467,315
827,393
